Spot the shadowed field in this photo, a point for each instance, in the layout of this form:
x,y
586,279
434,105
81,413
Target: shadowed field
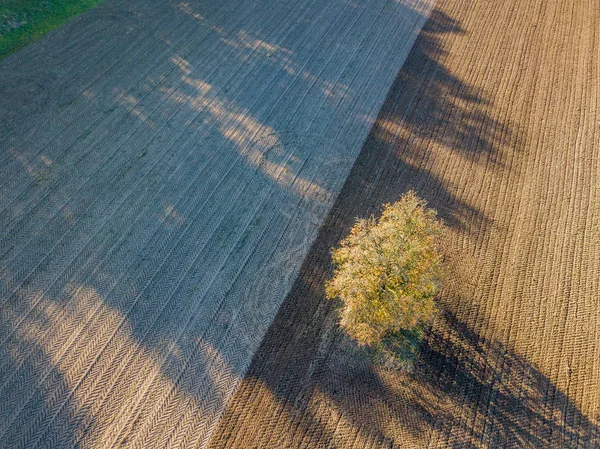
x,y
494,120
164,169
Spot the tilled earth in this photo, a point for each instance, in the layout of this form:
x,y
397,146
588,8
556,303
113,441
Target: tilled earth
x,y
165,166
494,119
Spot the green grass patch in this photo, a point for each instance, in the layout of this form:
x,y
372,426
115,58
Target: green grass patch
x,y
23,21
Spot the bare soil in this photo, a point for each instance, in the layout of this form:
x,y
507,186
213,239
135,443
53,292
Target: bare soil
x,y
165,167
494,119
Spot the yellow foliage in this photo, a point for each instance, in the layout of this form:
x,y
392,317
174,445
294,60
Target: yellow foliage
x,y
387,272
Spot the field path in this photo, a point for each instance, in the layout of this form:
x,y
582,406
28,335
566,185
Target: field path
x,y
495,120
164,169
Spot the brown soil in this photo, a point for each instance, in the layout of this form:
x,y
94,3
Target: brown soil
x,y
494,119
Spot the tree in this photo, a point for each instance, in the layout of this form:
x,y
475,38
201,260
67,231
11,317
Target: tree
x,y
387,273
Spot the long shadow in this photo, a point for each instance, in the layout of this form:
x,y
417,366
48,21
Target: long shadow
x,y
309,386
466,391
430,115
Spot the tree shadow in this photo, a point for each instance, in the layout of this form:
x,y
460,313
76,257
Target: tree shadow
x,y
431,123
465,392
